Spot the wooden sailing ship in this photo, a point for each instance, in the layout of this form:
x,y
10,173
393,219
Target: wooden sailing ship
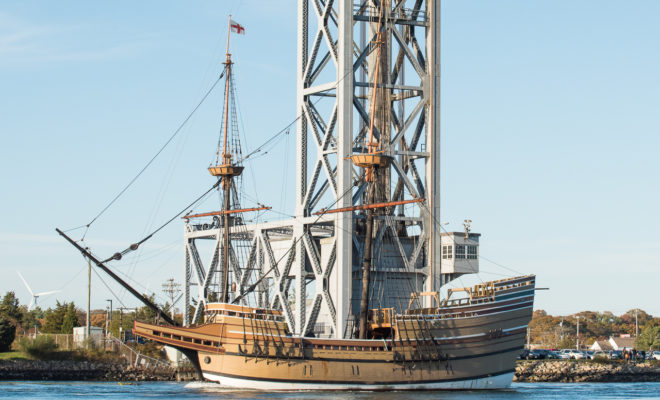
x,y
436,342
467,343
455,343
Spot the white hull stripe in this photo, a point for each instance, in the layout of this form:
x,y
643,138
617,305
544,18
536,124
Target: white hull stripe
x,y
430,317
499,381
491,306
477,334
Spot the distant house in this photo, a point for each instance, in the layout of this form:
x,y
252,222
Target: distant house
x,y
601,345
622,343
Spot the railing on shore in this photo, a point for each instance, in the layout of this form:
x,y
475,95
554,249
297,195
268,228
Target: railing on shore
x,y
112,344
134,357
62,340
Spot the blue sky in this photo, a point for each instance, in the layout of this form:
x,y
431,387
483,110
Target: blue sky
x,y
550,136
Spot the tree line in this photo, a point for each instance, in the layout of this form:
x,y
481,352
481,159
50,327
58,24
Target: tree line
x,y
561,331
15,319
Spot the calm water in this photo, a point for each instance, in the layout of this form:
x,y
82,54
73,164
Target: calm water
x,y
171,391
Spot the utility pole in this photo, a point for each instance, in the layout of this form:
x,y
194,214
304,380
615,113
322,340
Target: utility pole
x,y
636,324
577,339
172,289
121,324
89,297
528,337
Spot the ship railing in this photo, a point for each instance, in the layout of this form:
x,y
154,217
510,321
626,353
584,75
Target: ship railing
x,y
427,317
500,288
485,292
436,314
254,315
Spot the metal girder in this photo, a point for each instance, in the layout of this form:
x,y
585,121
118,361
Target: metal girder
x,y
406,125
334,43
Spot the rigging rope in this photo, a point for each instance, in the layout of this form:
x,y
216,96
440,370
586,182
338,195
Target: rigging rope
x,y
108,287
176,132
134,246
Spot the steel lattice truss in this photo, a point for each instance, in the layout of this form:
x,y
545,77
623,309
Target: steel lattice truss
x,y
314,263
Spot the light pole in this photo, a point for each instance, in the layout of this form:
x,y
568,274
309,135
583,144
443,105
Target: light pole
x,y
122,332
636,324
577,339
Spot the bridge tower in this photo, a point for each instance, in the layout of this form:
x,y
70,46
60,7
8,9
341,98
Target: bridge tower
x,y
313,261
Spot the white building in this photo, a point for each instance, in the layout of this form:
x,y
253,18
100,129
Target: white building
x,y
601,345
624,342
460,254
175,356
96,333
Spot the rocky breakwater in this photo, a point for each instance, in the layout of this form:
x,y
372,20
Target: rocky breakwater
x,y
585,371
69,370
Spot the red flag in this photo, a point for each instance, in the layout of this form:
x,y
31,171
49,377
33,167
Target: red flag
x,y
237,28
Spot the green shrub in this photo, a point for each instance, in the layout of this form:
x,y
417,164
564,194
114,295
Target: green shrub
x,y
7,334
150,349
41,348
601,360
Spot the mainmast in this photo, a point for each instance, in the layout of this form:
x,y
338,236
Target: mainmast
x,y
226,170
372,161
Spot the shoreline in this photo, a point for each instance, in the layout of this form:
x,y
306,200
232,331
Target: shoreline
x,y
102,371
567,371
531,371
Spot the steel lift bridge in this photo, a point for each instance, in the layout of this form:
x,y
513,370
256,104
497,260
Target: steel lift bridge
x,y
313,261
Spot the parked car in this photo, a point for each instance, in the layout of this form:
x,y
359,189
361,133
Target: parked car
x,y
563,354
539,354
553,354
575,354
615,355
589,354
523,355
599,354
655,355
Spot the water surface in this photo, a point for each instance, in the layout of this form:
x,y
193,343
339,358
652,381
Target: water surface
x,y
176,390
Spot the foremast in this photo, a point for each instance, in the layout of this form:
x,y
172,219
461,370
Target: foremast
x,y
225,170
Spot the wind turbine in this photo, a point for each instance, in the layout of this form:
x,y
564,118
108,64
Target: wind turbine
x,y
35,296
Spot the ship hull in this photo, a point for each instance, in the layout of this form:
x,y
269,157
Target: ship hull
x,y
460,363
454,346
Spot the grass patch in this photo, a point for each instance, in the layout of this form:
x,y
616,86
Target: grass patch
x,y
44,348
601,360
41,348
12,355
